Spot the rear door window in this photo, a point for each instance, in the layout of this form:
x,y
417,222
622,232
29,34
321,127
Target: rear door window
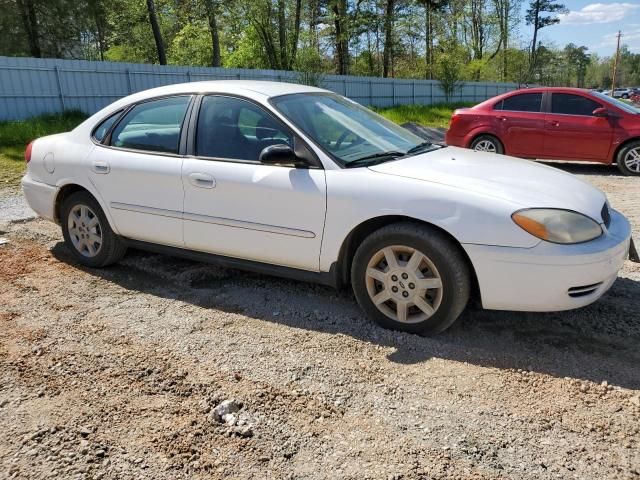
x,y
153,126
524,102
569,104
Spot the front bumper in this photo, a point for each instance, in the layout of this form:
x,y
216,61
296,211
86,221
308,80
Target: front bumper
x,y
40,197
551,277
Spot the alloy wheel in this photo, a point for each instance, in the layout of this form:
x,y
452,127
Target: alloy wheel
x,y
632,160
485,146
404,284
85,230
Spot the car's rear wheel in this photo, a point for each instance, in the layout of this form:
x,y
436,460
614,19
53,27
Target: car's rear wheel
x,y
87,232
411,277
628,159
487,143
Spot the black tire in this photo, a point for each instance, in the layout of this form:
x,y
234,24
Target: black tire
x,y
112,247
625,96
444,254
623,153
488,138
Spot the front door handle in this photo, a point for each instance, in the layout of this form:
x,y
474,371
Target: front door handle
x,y
554,123
100,167
502,119
202,180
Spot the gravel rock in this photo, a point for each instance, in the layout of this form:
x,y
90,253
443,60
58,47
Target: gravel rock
x,y
225,408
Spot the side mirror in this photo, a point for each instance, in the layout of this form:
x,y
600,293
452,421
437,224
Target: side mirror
x,y
278,155
600,112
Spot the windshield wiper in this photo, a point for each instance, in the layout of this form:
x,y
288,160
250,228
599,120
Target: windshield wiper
x,y
374,158
419,147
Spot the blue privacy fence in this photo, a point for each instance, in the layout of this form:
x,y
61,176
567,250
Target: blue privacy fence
x,y
31,86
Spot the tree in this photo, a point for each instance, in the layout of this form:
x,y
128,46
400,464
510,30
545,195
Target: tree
x,y
211,7
30,23
449,76
157,34
536,16
389,13
341,35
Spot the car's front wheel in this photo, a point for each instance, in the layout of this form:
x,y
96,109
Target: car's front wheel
x,y
628,159
87,232
411,277
487,143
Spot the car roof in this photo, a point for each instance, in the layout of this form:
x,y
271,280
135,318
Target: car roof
x,y
492,100
250,88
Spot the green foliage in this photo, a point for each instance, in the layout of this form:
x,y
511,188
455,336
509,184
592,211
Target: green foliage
x,y
191,46
437,115
20,133
448,72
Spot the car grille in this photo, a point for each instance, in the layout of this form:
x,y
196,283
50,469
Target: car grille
x,y
606,215
584,290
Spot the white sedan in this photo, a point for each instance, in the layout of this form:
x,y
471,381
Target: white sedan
x,y
297,181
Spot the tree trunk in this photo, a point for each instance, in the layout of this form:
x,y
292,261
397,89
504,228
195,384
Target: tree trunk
x,y
388,38
215,35
282,34
30,23
157,34
339,8
532,57
505,40
296,35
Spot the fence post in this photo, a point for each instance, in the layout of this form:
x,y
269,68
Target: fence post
x,y
370,93
189,76
344,86
129,83
393,92
431,92
413,91
57,70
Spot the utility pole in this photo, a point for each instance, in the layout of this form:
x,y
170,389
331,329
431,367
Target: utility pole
x,y
615,65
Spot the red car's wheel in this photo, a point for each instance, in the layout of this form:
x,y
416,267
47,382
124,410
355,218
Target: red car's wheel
x,y
487,143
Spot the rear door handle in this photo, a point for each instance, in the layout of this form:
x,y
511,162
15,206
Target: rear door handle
x,y
202,180
100,167
502,119
554,123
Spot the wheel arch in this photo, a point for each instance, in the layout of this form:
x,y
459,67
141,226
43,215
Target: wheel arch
x,y
357,235
66,190
616,152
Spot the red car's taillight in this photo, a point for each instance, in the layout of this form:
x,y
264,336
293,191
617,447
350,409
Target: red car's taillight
x,y
27,152
454,118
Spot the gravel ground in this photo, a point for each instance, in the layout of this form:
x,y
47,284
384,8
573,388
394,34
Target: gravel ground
x,y
116,373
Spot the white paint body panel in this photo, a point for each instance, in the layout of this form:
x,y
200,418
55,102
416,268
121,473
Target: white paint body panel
x,y
257,212
301,218
135,180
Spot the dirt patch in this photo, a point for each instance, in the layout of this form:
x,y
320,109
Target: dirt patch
x,y
114,373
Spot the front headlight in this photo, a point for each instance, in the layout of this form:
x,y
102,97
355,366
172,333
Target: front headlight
x,y
557,226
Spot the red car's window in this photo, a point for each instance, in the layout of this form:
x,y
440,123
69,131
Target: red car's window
x,y
568,104
524,102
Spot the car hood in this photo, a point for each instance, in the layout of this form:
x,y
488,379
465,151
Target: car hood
x,y
523,183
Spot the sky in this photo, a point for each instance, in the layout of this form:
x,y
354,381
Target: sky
x,y
594,25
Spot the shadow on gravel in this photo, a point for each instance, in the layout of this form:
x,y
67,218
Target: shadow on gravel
x,y
597,343
586,168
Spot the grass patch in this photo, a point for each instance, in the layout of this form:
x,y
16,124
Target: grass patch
x,y
12,166
23,131
427,115
14,137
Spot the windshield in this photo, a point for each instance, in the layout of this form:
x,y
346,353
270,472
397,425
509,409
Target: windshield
x,y
352,134
617,103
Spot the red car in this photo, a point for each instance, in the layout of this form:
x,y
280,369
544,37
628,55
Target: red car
x,y
552,123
